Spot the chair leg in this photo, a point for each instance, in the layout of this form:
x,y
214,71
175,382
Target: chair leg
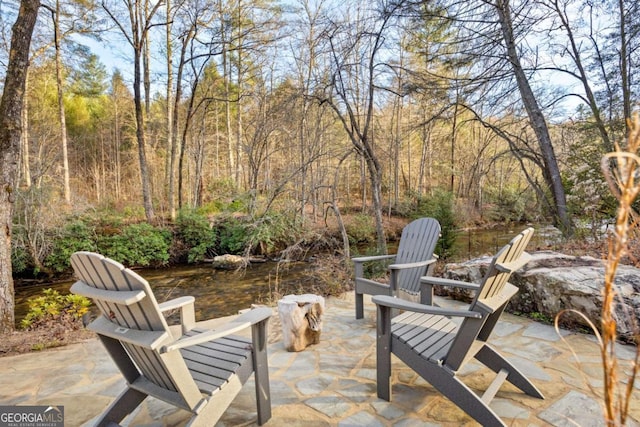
x,y
383,353
467,400
211,411
124,404
261,372
495,361
359,306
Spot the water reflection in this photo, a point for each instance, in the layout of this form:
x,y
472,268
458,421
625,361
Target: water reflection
x,y
473,243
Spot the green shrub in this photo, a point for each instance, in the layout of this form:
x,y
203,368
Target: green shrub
x,y
361,229
137,244
265,235
510,204
441,206
196,232
51,309
272,232
239,204
233,235
75,236
20,259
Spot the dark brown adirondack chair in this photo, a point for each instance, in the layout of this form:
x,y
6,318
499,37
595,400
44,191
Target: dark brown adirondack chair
x,y
412,260
199,370
428,341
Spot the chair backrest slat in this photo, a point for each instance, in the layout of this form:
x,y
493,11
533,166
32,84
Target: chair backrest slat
x,y
417,243
492,286
167,370
152,367
494,279
104,273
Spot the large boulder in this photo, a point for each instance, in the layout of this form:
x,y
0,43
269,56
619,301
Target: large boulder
x,y
552,282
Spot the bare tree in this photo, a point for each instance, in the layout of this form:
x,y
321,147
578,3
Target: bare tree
x,y
551,170
597,44
354,49
136,32
10,134
59,83
170,157
495,68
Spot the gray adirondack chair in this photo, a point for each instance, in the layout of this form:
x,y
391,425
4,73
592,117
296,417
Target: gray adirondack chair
x,y
427,340
411,261
199,370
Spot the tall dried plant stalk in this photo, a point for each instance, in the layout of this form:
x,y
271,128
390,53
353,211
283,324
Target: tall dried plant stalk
x,y
624,181
621,169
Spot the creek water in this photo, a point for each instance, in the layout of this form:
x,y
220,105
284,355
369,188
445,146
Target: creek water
x,y
222,292
217,292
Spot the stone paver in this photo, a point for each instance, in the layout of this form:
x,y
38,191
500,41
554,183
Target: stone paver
x,y
333,383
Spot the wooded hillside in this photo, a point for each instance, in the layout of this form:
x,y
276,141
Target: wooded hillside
x,y
308,107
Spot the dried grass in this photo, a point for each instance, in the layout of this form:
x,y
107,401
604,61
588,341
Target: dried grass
x,y
621,169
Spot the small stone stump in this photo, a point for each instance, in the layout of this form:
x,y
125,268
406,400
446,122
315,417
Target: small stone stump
x,y
301,319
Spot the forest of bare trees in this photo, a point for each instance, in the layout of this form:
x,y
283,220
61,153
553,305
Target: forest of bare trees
x,y
151,106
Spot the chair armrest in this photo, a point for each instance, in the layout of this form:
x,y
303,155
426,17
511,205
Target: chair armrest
x,y
223,331
107,295
411,264
186,305
358,263
396,268
427,283
429,280
372,258
397,303
176,303
254,316
149,339
245,320
258,318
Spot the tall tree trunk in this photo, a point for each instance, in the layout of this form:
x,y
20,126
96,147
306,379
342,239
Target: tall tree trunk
x,y
61,113
24,146
116,148
551,170
177,149
227,113
226,75
139,24
239,83
238,144
146,61
624,66
170,155
375,176
454,128
140,134
10,134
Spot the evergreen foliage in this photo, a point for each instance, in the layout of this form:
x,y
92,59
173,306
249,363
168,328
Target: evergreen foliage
x,y
137,244
195,231
441,206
